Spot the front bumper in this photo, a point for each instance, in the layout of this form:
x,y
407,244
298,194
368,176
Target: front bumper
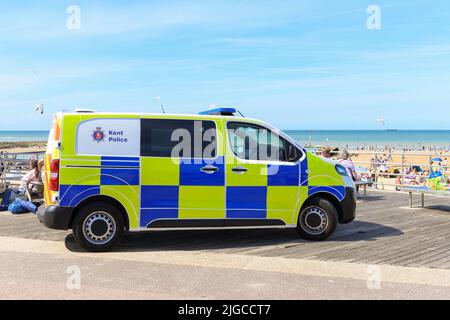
x,y
55,217
348,206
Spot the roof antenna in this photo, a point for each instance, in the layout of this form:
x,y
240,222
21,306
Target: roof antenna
x,y
162,106
240,113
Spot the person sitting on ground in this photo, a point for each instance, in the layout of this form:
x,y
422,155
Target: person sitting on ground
x,y
348,164
34,175
326,152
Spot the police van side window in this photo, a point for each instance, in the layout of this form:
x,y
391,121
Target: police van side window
x,y
253,142
178,138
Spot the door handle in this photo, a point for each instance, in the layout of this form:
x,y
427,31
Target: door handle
x,y
239,170
209,169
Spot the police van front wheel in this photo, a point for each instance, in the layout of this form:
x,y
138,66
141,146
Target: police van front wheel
x,y
98,227
318,220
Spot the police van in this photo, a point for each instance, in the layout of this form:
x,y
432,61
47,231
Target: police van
x,y
107,173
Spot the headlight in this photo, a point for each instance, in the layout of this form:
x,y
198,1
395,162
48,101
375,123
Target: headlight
x,y
341,170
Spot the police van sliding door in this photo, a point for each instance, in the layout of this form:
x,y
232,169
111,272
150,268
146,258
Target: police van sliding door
x,y
261,182
183,175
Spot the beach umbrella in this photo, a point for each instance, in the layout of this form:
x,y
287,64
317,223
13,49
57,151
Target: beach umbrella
x,y
436,159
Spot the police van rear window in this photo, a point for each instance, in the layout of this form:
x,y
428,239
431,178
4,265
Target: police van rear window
x,y
178,138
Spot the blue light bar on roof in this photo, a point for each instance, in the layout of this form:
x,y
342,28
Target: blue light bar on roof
x,y
219,112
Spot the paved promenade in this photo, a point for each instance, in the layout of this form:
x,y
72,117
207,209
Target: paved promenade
x,y
391,251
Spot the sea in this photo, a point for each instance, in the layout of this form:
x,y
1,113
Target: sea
x,y
351,139
23,136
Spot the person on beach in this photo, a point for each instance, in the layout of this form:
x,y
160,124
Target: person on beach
x,y
348,164
326,152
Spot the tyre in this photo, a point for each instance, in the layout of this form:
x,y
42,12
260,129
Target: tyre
x,y
98,226
318,220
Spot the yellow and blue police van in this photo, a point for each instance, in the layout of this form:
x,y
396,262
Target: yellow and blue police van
x,y
108,173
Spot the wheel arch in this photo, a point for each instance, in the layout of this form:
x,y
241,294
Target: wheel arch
x,y
330,197
102,198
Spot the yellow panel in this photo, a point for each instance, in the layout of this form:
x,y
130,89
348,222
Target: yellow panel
x,y
79,176
69,129
160,171
182,116
282,202
81,161
255,176
322,173
303,197
89,116
128,196
220,139
202,202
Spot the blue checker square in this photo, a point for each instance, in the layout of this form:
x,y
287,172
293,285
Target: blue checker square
x,y
246,202
107,158
149,215
192,175
159,197
120,164
119,177
72,195
304,172
158,202
284,175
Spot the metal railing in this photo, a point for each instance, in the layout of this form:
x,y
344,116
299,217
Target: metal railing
x,y
397,169
13,166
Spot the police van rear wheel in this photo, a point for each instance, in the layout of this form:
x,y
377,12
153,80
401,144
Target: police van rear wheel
x,y
318,220
98,227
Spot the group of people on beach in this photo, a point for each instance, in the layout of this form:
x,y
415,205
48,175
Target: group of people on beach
x,y
435,177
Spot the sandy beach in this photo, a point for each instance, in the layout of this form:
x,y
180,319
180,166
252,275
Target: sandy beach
x,y
420,158
22,147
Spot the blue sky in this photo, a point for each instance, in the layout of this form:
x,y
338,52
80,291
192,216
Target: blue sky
x,y
296,64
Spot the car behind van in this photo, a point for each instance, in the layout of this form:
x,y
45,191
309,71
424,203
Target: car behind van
x,y
107,173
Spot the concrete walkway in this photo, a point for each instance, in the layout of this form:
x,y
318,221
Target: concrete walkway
x,y
389,252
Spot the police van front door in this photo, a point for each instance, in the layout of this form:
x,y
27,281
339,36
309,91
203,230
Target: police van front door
x,y
261,183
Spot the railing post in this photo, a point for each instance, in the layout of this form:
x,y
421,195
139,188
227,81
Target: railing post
x,y
430,164
375,163
403,167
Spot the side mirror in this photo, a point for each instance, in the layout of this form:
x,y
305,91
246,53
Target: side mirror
x,y
292,153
